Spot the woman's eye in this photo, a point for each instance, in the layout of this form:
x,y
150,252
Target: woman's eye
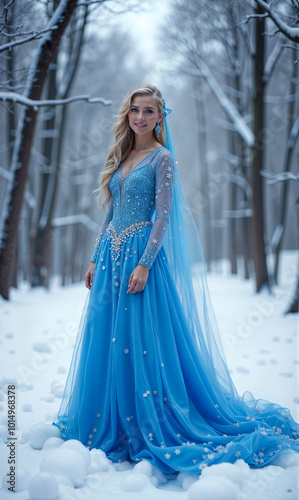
x,y
147,110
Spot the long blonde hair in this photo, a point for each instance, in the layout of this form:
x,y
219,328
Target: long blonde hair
x,y
123,142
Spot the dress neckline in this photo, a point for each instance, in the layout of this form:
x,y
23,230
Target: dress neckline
x,y
121,163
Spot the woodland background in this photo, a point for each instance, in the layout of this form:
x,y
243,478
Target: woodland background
x,y
228,69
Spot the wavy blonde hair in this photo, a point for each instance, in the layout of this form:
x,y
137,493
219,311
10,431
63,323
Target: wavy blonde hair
x,y
124,142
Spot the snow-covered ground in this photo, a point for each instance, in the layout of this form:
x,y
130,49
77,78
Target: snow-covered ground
x,y
38,331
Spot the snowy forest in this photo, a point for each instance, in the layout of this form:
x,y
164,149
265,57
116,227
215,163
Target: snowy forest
x,y
230,72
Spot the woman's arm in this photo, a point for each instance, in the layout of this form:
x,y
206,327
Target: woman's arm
x,y
164,174
104,225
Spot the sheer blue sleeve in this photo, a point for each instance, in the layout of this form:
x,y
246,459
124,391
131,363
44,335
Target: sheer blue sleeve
x,y
104,225
164,176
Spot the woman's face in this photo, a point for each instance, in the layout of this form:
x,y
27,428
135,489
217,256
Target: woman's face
x,y
143,114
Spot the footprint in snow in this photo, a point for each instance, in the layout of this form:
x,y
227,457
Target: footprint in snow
x,y
242,369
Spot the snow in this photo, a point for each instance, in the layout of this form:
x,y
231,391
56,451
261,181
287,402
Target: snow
x,y
66,462
291,32
43,487
23,480
223,489
22,99
38,331
39,434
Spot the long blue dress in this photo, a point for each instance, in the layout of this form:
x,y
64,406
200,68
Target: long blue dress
x,y
137,389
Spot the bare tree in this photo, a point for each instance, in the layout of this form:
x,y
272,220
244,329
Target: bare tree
x,y
257,220
291,32
285,177
20,161
52,152
240,30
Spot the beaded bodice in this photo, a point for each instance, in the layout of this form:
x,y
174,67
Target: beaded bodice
x,y
142,197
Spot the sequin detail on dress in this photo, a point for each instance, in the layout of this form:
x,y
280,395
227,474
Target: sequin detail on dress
x,y
118,240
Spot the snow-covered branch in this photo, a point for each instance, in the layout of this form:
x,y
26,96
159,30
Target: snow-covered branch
x,y
294,134
21,99
282,176
76,219
230,109
5,10
289,32
272,60
6,174
35,36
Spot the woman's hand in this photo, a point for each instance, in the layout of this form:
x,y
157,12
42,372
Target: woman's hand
x,y
138,279
89,275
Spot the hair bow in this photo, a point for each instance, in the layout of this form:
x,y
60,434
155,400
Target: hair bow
x,y
166,110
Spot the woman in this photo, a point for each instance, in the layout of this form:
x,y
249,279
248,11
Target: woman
x,y
148,377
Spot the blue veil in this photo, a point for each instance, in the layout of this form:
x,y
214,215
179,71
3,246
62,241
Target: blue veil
x,y
185,254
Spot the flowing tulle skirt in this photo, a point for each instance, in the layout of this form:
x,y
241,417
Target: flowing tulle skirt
x,y
138,388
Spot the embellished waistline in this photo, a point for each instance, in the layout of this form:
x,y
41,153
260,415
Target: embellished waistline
x,y
118,240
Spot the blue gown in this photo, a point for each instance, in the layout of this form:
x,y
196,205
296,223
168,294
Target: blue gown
x,y
137,388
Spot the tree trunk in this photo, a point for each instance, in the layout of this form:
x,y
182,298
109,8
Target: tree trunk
x,y
288,162
55,149
294,306
15,191
11,121
232,222
202,142
259,254
42,253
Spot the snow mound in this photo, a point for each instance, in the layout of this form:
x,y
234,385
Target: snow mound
x,y
99,462
23,477
134,481
209,489
144,467
43,487
286,459
65,462
52,442
185,480
39,433
236,472
24,436
122,466
76,445
65,481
